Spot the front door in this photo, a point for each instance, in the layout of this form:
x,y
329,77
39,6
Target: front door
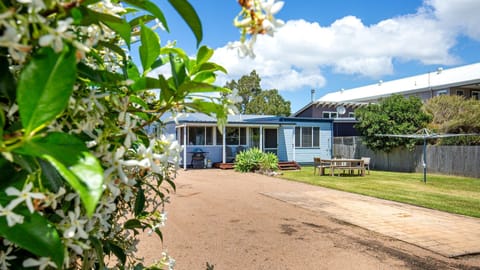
x,y
270,141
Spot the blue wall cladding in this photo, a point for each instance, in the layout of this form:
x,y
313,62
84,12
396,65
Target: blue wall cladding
x,y
306,155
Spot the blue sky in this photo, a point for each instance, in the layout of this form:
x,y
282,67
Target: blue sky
x,y
330,45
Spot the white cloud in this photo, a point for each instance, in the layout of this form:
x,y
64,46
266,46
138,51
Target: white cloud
x,y
299,51
461,15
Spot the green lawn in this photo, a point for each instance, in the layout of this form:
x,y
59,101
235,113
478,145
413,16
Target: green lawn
x,y
453,194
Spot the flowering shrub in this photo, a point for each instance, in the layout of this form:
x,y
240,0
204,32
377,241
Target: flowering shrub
x,y
80,176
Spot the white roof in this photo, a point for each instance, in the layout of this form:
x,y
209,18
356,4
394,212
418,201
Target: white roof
x,y
439,79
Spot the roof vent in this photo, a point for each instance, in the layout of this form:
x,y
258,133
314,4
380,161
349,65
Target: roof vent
x,y
380,83
439,70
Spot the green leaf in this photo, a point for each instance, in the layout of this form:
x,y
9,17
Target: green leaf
x,y
133,224
141,19
36,235
139,202
8,86
197,87
45,87
203,55
10,173
73,161
150,7
145,83
139,101
150,48
2,124
118,251
51,179
178,70
190,16
97,245
205,77
209,66
132,71
165,91
120,26
174,51
99,76
159,62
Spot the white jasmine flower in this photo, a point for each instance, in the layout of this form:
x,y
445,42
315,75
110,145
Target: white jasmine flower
x,y
33,5
76,225
5,257
244,49
118,163
24,195
127,129
271,7
92,100
52,198
55,38
10,39
158,25
234,97
12,218
149,157
41,263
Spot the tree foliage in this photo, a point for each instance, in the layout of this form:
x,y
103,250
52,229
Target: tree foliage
x,y
454,114
80,177
258,101
269,102
392,115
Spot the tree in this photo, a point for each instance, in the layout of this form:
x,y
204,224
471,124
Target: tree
x,y
247,87
268,102
454,114
392,115
258,101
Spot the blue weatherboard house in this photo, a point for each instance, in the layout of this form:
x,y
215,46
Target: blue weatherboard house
x,y
290,138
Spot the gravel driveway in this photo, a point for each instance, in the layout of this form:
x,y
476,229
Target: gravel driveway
x,y
221,217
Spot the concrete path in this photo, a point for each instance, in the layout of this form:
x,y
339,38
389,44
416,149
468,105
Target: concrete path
x,y
447,234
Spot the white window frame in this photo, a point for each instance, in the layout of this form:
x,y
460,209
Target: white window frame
x,y
330,114
300,138
204,135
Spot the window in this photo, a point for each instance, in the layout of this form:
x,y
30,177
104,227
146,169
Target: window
x,y
307,137
441,92
198,135
476,95
326,114
460,93
233,136
255,137
351,114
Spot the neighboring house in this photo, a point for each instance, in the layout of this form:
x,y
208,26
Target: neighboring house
x,y
462,81
341,105
342,114
290,138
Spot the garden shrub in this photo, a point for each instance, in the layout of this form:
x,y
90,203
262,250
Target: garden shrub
x,y
254,159
269,162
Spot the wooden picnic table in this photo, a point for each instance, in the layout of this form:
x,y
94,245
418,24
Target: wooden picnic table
x,y
342,165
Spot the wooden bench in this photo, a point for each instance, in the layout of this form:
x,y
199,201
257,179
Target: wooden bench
x,y
349,165
320,165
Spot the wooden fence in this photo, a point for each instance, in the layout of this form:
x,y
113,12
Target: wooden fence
x,y
444,159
